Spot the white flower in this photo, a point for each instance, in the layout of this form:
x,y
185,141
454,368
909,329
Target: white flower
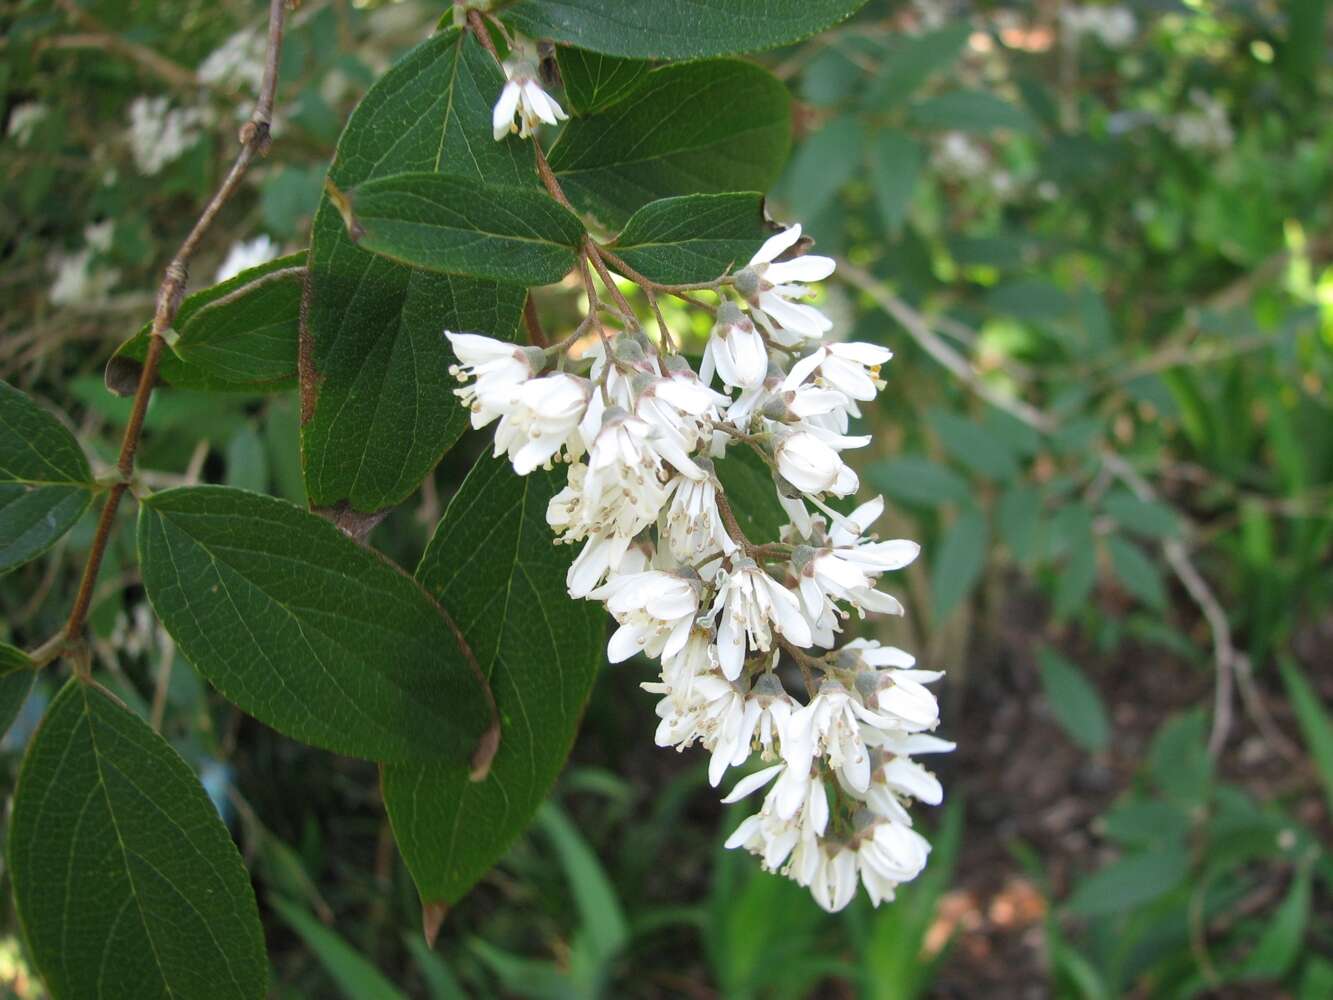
x,y
830,726
753,605
676,408
656,611
828,869
812,466
623,460
522,94
769,288
852,369
245,254
24,119
693,526
160,133
795,809
888,854
893,692
496,368
79,281
238,62
545,412
831,577
735,350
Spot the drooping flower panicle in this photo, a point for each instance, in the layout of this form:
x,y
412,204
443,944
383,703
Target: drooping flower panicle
x,y
662,547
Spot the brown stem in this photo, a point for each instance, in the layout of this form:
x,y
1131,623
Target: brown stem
x,y
254,138
536,335
648,283
591,252
478,27
548,176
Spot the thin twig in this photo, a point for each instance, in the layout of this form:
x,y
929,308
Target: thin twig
x,y
254,138
536,335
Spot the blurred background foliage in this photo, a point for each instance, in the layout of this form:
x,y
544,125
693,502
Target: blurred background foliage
x,y
1098,239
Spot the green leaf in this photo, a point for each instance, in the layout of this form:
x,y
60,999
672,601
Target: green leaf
x,y
957,567
238,336
694,238
1150,518
306,630
354,976
126,881
748,483
696,128
1075,703
247,460
822,164
895,166
1018,517
601,918
1315,723
377,406
16,679
45,481
1130,882
493,565
1137,572
461,226
594,81
677,29
974,445
1281,942
914,61
918,480
969,111
1178,758
1076,580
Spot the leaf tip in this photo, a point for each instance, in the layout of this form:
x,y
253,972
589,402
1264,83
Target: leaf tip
x,y
432,917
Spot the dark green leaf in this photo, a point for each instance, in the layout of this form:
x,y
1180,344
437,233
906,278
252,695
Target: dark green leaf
x,y
918,480
749,487
459,225
1017,518
1137,572
1178,758
493,565
895,164
1129,882
956,567
1315,723
1075,703
1148,822
969,111
694,238
1076,580
677,29
126,880
697,128
16,679
1284,935
307,631
377,407
822,164
601,918
593,81
350,971
239,335
974,445
1143,517
913,61
45,481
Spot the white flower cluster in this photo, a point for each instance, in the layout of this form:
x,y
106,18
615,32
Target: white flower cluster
x,y
1206,127
80,278
237,64
1113,26
662,547
160,133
